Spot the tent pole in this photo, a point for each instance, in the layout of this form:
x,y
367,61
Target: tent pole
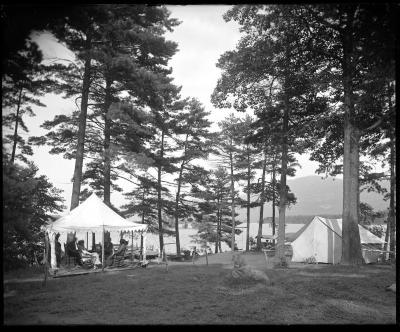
x,y
52,244
102,252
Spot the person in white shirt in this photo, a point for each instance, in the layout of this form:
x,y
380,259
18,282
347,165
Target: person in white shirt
x,y
87,255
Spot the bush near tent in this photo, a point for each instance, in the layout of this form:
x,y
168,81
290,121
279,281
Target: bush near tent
x,y
377,230
28,200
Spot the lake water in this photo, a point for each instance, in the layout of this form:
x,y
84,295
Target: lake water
x,y
187,238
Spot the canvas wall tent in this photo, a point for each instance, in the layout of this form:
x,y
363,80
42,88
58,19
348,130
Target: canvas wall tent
x,y
321,238
93,215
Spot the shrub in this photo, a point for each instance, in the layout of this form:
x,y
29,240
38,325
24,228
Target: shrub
x,y
27,201
281,263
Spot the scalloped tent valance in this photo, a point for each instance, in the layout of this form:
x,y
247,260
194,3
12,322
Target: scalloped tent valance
x,y
93,215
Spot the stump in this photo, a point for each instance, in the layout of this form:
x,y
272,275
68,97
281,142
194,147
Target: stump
x,y
241,271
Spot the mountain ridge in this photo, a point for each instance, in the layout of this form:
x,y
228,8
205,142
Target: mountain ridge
x,y
318,196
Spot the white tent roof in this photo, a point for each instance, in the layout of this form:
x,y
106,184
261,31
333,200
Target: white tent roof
x,y
336,226
92,215
365,235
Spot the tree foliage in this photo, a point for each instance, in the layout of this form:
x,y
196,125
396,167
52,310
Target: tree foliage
x,y
28,202
215,208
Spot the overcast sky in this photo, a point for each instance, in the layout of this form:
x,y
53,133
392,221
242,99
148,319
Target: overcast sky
x,y
202,37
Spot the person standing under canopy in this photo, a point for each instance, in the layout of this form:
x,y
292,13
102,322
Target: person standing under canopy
x,y
71,249
58,249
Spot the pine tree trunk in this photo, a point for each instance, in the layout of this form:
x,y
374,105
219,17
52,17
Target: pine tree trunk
x,y
218,227
233,199
107,138
220,233
392,214
178,246
351,246
159,205
141,235
216,242
76,187
280,251
143,198
262,199
385,246
248,201
15,139
273,199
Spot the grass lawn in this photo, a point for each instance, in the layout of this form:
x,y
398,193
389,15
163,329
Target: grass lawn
x,y
196,294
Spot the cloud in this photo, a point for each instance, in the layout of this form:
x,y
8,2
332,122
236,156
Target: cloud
x,y
202,37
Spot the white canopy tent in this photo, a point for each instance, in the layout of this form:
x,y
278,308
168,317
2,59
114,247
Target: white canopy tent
x,y
93,215
321,238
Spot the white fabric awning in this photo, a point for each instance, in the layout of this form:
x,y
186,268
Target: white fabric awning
x,y
94,215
